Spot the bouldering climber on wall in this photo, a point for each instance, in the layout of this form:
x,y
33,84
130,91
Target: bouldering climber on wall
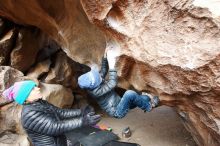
x,y
46,124
102,90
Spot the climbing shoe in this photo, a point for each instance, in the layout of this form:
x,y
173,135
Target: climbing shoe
x,y
155,101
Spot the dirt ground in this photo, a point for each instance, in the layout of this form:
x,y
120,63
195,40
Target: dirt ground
x,y
161,127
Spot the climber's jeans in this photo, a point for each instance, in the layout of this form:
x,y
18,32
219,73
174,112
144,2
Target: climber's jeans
x,y
131,100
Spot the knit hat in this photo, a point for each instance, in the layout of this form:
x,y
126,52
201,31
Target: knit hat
x,y
19,92
90,80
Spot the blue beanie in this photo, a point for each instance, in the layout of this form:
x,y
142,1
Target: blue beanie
x,y
90,80
20,91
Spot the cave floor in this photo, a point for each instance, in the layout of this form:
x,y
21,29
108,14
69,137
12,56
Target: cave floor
x,y
161,127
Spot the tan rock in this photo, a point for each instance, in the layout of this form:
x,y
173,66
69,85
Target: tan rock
x,y
10,119
65,71
170,48
40,69
6,46
14,140
28,43
9,113
57,95
49,49
8,76
65,21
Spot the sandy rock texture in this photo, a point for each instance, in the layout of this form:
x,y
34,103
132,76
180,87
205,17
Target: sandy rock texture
x,y
169,47
10,139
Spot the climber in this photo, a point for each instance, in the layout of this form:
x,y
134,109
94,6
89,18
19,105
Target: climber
x,y
103,90
45,123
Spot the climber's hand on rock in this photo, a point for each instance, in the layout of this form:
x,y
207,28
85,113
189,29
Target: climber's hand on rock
x,y
113,51
111,57
105,53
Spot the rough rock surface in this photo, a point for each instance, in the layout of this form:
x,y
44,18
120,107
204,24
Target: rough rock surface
x,y
9,112
10,139
8,76
39,69
57,95
65,21
65,71
6,45
28,43
171,48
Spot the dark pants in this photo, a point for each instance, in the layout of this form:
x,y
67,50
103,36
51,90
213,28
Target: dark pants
x,y
131,100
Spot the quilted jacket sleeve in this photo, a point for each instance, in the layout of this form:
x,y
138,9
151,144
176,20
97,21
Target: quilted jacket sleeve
x,y
104,67
106,86
40,122
66,113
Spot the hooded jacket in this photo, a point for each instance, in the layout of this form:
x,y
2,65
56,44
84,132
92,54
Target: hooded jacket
x,y
105,94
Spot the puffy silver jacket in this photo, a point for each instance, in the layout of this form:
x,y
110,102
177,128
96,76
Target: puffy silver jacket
x,y
104,94
46,124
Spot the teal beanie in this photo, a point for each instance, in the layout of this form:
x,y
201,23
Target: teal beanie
x,y
20,91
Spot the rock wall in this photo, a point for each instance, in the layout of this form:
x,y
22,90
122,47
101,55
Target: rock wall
x,y
169,47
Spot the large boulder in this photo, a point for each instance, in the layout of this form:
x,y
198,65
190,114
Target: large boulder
x,y
10,112
10,119
57,94
170,48
48,51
